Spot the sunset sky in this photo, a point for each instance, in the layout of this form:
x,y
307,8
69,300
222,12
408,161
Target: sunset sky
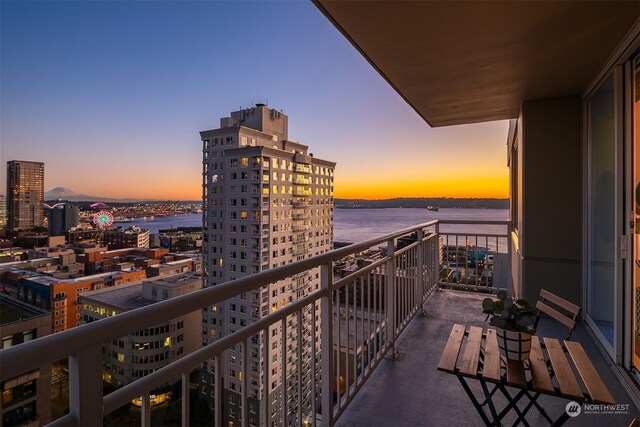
x,y
112,95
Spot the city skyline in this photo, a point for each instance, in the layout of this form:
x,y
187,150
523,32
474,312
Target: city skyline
x,y
119,101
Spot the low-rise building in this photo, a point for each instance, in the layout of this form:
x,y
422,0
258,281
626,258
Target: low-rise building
x,y
26,399
61,296
175,264
181,239
84,234
137,355
132,237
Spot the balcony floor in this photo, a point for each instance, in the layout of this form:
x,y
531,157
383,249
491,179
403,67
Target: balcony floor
x,y
410,391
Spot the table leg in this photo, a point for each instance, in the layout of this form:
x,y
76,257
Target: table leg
x,y
533,402
514,403
495,388
475,402
561,420
489,401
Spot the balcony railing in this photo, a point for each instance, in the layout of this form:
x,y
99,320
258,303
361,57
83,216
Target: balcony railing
x,y
361,317
475,254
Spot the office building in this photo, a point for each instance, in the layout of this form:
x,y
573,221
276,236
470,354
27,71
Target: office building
x,y
137,355
62,218
25,194
26,399
132,237
267,202
3,211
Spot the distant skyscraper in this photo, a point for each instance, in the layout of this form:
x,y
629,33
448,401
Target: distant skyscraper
x,y
3,211
267,203
25,194
61,218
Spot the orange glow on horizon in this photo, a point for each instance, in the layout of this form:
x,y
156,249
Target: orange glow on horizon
x,y
461,187
454,187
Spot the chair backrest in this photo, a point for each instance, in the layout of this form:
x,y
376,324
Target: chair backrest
x,y
564,312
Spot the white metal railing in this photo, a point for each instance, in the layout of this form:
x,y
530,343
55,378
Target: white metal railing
x,y
361,315
475,254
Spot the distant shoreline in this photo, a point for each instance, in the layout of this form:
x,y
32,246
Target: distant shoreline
x,y
413,207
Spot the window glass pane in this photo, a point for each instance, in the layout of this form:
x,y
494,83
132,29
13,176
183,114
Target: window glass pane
x,y
600,302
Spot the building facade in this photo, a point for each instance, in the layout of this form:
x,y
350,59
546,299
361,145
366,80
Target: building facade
x,y
267,202
25,194
3,211
62,218
132,237
135,356
61,296
26,400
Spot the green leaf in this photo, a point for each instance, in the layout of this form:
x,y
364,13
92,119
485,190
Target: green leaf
x,y
514,310
499,322
502,295
525,321
488,305
523,302
508,303
499,306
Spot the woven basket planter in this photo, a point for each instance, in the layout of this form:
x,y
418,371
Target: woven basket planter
x,y
514,345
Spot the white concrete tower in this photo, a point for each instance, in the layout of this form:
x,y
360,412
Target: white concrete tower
x,y
267,203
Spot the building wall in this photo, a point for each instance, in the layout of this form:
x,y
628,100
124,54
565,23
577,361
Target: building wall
x,y
25,194
11,403
267,203
134,356
60,297
550,203
61,219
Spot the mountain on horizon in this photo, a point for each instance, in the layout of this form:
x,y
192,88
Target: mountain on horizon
x,y
62,193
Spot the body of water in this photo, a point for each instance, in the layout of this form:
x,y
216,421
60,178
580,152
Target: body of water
x,y
356,225
165,222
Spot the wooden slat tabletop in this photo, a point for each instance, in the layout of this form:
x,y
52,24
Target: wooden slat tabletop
x,y
515,374
595,386
481,360
564,374
491,367
451,350
539,370
469,363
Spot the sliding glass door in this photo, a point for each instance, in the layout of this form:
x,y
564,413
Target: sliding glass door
x,y
602,246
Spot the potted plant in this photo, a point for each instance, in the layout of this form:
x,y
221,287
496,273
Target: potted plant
x,y
515,319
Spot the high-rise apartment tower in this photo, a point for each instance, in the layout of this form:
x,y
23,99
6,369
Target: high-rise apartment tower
x,y
268,202
25,194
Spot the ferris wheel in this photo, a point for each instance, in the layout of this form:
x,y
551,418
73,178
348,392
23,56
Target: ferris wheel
x,y
103,218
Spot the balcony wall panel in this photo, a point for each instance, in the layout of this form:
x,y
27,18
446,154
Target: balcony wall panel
x,y
552,197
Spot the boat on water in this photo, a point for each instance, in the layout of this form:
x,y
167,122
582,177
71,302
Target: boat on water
x,y
433,208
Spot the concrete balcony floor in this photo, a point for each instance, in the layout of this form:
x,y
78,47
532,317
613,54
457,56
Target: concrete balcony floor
x,y
410,391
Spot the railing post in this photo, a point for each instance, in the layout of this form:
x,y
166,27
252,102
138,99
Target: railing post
x,y
420,269
85,386
390,290
436,259
185,399
145,411
326,344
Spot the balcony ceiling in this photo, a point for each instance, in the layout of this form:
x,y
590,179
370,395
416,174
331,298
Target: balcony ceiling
x,y
467,62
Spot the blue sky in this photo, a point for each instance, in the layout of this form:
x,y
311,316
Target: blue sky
x,y
112,95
